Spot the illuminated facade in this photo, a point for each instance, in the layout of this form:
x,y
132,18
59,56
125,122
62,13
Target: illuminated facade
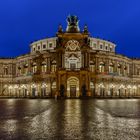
x,y
72,64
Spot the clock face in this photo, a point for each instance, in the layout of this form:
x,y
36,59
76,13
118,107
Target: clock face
x,y
72,45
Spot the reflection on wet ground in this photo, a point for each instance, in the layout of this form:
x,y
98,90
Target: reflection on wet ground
x,y
70,119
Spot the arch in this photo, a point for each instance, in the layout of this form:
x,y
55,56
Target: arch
x,y
92,66
92,88
111,68
33,90
102,67
34,67
53,66
44,66
119,68
72,87
101,89
6,70
121,90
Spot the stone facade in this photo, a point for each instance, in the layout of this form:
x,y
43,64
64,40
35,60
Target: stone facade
x,y
72,64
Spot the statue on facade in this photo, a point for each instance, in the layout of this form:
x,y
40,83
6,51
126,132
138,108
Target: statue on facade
x,y
85,29
73,24
60,29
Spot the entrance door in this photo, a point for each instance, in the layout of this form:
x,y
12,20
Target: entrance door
x,y
73,91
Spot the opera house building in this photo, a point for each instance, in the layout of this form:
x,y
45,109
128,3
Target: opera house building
x,y
72,65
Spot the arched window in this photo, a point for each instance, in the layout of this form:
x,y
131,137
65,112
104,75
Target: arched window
x,y
53,66
19,70
26,68
134,90
102,67
44,67
34,67
125,70
111,68
119,69
43,89
101,89
6,70
92,66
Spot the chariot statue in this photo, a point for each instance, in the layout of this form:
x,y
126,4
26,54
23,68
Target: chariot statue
x,y
73,24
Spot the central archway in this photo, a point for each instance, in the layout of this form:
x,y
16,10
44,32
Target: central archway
x,y
73,87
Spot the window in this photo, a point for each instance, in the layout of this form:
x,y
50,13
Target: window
x,y
50,45
111,48
94,45
34,68
44,67
26,68
44,46
101,46
19,70
38,47
72,66
125,70
102,67
119,69
53,68
111,68
92,66
5,70
106,47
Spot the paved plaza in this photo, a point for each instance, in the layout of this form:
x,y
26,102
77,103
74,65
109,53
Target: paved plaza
x,y
49,119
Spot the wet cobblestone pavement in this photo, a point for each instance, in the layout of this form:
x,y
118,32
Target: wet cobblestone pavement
x,y
70,119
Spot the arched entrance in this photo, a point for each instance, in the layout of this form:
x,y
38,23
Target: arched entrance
x,y
73,87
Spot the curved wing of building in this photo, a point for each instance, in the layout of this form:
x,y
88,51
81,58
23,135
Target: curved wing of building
x,y
72,64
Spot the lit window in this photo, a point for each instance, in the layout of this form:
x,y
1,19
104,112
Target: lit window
x,y
102,67
111,68
26,68
34,68
53,68
92,66
44,67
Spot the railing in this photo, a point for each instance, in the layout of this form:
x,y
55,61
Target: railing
x,y
6,76
113,74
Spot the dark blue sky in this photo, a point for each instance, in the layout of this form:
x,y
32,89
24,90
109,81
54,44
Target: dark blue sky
x,y
24,21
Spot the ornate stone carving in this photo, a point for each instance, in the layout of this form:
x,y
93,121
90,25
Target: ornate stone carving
x,y
72,45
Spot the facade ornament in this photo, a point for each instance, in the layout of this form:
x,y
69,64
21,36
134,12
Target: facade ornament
x,y
73,24
85,29
60,28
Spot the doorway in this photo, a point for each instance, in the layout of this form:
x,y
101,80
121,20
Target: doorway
x,y
73,87
73,91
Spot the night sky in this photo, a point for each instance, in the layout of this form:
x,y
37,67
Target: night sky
x,y
24,21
